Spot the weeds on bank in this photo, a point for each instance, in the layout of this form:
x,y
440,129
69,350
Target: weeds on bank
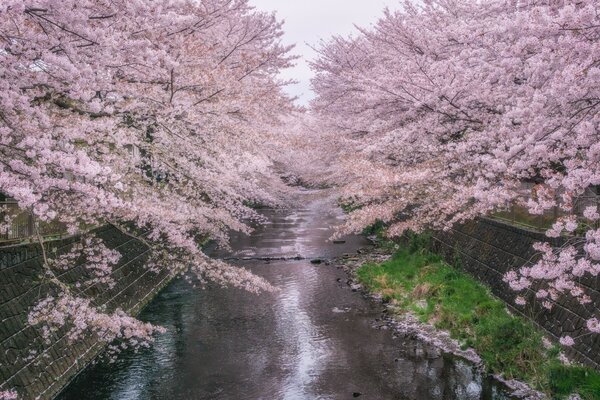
x,y
418,281
564,380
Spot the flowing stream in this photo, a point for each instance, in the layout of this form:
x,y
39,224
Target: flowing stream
x,y
313,339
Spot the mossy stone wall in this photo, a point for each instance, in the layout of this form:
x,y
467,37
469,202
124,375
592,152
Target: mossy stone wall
x,y
28,364
487,249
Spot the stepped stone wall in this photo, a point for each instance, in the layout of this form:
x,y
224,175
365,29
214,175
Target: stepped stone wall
x,y
487,249
35,369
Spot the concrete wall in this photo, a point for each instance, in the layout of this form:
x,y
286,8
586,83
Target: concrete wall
x,y
487,249
44,373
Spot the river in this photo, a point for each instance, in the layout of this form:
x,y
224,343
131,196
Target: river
x,y
313,339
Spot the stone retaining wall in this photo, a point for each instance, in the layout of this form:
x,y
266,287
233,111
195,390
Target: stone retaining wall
x,y
487,249
44,373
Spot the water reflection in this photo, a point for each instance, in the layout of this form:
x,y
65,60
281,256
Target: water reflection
x,y
313,339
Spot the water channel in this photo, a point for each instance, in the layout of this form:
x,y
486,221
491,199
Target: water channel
x,y
313,339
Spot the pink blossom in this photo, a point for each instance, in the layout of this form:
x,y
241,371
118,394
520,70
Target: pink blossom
x,y
593,325
8,395
567,341
571,224
591,213
145,119
564,359
443,112
520,301
546,343
81,318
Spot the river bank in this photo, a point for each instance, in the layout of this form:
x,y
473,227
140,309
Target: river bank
x,y
445,306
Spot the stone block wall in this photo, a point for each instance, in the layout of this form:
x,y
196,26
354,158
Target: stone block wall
x,y
487,249
35,369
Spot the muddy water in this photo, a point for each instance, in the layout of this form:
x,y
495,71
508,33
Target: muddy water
x,y
313,339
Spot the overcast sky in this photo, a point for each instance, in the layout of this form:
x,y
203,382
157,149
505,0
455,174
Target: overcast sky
x,y
307,21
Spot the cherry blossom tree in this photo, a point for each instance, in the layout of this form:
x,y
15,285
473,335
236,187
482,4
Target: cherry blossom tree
x,y
305,154
447,107
151,116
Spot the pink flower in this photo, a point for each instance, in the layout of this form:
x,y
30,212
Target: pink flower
x,y
430,135
571,225
593,325
591,213
8,395
546,343
567,341
564,359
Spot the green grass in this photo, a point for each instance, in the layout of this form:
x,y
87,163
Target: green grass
x,y
420,282
565,380
348,205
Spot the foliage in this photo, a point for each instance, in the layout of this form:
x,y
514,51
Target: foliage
x,y
448,110
418,281
152,116
566,379
348,205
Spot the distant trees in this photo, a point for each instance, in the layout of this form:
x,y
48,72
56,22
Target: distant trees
x,y
152,116
447,106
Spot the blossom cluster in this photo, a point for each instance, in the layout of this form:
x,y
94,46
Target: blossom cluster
x,y
152,116
8,395
446,110
79,317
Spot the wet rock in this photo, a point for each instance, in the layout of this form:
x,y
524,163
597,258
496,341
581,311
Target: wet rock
x,y
520,390
474,390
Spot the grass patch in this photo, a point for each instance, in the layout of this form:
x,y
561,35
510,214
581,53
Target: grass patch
x,y
418,281
348,205
565,380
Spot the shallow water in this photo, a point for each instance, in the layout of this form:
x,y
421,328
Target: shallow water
x,y
313,339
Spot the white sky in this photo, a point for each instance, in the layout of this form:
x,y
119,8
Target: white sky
x,y
308,21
